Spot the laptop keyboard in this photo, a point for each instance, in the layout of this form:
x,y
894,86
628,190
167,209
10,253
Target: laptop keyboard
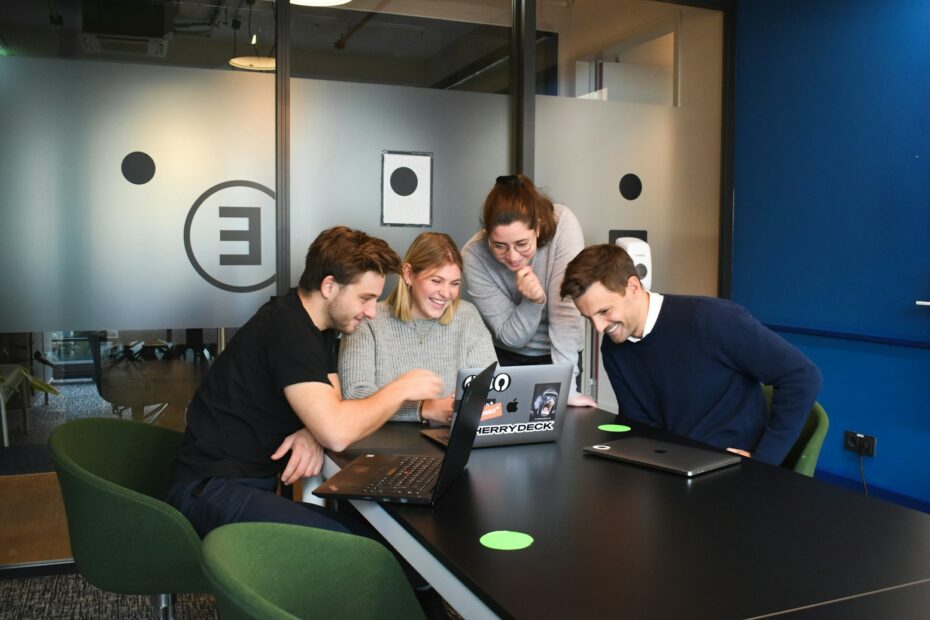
x,y
415,475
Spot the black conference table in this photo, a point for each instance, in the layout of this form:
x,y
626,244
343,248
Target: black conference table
x,y
618,540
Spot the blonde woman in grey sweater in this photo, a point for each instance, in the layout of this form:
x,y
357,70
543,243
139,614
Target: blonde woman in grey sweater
x,y
422,324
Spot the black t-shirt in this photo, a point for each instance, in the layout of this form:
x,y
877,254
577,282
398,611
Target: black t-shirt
x,y
239,414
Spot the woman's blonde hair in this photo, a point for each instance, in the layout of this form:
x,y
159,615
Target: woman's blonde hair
x,y
430,250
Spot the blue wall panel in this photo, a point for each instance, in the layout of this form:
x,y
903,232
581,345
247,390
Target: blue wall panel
x,y
832,165
832,211
878,390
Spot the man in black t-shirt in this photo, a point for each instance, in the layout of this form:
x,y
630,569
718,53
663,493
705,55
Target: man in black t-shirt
x,y
275,390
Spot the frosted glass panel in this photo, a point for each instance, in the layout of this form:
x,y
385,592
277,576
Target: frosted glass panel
x,y
94,237
602,43
584,148
339,131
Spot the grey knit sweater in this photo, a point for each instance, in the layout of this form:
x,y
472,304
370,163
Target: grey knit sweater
x,y
385,347
553,327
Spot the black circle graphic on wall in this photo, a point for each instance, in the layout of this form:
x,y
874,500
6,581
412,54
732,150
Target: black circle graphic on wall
x,y
138,168
630,186
404,181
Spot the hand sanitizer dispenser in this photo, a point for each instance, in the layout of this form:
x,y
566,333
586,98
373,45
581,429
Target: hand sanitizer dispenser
x,y
642,257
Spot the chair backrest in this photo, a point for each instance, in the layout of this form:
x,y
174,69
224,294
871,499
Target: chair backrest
x,y
272,571
124,537
803,455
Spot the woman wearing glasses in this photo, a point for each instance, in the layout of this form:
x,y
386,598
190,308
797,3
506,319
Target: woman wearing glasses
x,y
513,271
422,324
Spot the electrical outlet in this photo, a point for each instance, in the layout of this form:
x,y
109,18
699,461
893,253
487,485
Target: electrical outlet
x,y
863,445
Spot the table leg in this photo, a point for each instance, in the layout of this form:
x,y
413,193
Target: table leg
x,y
307,491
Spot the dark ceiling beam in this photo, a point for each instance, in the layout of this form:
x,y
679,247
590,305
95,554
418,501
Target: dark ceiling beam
x,y
523,86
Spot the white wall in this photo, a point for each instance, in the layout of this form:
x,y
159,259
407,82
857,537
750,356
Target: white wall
x,y
584,147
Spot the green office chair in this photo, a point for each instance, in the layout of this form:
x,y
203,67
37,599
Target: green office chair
x,y
803,455
273,571
124,538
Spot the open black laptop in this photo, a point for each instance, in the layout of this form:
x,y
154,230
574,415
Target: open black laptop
x,y
414,479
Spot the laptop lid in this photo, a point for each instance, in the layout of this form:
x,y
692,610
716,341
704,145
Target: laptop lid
x,y
464,427
355,480
526,404
684,460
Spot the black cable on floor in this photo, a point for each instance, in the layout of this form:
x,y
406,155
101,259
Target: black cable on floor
x,y
862,474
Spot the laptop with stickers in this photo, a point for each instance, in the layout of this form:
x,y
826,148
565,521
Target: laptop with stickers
x,y
526,404
414,479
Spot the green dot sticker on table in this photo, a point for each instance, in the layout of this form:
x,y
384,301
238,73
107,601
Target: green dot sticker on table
x,y
502,540
613,428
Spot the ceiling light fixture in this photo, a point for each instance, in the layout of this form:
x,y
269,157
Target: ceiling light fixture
x,y
255,62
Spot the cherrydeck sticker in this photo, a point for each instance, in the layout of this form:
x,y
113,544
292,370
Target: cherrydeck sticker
x,y
511,429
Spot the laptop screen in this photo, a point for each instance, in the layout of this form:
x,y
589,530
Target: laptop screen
x,y
463,431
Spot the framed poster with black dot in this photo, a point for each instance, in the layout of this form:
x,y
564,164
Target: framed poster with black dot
x,y
406,189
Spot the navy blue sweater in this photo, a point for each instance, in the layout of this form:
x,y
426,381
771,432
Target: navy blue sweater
x,y
698,371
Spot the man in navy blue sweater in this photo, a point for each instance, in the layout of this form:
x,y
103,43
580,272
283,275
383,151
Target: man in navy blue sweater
x,y
692,365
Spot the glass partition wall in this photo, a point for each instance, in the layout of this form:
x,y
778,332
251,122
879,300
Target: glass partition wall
x,y
138,218
141,223
379,86
631,142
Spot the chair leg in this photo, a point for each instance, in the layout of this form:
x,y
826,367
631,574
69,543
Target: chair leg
x,y
25,399
162,606
152,416
6,432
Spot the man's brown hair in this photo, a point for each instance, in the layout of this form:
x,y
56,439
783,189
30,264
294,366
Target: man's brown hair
x,y
346,255
606,263
514,198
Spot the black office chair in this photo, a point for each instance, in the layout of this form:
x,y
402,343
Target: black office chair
x,y
129,361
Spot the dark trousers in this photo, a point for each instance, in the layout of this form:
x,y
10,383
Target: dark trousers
x,y
213,502
506,357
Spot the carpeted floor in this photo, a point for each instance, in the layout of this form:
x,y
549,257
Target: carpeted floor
x,y
71,596
27,453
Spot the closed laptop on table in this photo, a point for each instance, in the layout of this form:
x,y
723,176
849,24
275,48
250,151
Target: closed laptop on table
x,y
683,460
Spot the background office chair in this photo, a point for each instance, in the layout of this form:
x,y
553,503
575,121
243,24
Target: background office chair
x,y
124,378
124,538
271,571
803,455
